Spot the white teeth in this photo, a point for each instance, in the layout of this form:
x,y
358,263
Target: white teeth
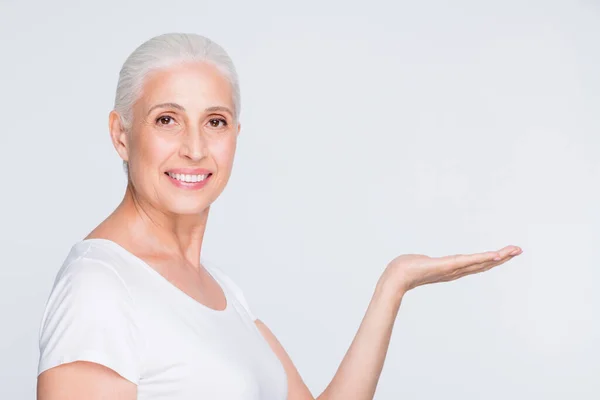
x,y
188,178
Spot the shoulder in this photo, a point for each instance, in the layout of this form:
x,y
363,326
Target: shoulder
x,y
86,288
90,315
89,271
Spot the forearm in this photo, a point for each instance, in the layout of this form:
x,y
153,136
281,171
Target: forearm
x,y
359,371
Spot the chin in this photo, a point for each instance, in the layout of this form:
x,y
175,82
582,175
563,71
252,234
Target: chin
x,y
187,207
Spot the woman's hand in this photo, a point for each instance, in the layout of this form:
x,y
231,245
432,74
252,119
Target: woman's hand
x,y
408,271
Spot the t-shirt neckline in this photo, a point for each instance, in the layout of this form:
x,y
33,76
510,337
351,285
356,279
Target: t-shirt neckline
x,y
166,282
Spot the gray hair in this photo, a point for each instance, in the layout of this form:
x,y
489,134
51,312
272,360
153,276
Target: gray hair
x,y
162,52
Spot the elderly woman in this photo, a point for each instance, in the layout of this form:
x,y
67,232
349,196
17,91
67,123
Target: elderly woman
x,y
136,313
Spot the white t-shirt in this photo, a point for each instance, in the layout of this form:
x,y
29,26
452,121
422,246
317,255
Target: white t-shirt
x,y
110,307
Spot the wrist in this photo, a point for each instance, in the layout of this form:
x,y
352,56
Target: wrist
x,y
389,292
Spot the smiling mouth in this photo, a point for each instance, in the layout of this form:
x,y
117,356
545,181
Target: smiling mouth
x,y
188,178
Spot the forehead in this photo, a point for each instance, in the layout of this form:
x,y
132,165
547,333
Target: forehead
x,y
197,84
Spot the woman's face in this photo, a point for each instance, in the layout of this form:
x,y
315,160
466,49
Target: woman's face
x,y
183,129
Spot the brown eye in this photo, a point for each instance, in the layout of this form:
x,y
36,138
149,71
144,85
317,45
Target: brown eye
x,y
214,122
164,120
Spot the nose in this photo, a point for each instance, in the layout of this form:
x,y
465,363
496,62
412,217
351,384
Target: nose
x,y
194,145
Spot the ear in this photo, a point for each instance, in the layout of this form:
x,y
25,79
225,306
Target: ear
x,y
239,128
118,135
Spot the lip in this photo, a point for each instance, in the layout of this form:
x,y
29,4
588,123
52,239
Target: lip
x,y
189,185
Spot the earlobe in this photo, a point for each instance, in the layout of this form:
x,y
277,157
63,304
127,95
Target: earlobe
x,y
118,135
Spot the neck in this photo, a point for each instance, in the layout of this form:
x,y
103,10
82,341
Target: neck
x,y
154,231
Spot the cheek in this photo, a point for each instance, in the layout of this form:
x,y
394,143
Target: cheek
x,y
155,150
223,153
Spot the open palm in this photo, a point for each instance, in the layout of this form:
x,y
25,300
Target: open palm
x,y
411,270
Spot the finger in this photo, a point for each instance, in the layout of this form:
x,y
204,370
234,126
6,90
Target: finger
x,y
509,250
482,267
502,254
471,270
459,261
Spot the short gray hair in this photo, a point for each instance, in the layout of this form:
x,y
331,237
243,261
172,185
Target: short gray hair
x,y
161,52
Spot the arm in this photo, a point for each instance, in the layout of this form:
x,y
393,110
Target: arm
x,y
359,371
84,380
358,374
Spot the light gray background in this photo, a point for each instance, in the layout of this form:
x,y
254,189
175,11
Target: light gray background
x,y
369,130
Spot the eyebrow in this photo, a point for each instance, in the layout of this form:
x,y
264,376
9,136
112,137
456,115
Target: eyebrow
x,y
181,108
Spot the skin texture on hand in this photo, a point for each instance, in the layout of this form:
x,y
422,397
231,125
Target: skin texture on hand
x,y
408,271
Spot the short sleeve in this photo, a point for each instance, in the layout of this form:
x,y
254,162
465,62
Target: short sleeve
x,y
233,287
90,316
